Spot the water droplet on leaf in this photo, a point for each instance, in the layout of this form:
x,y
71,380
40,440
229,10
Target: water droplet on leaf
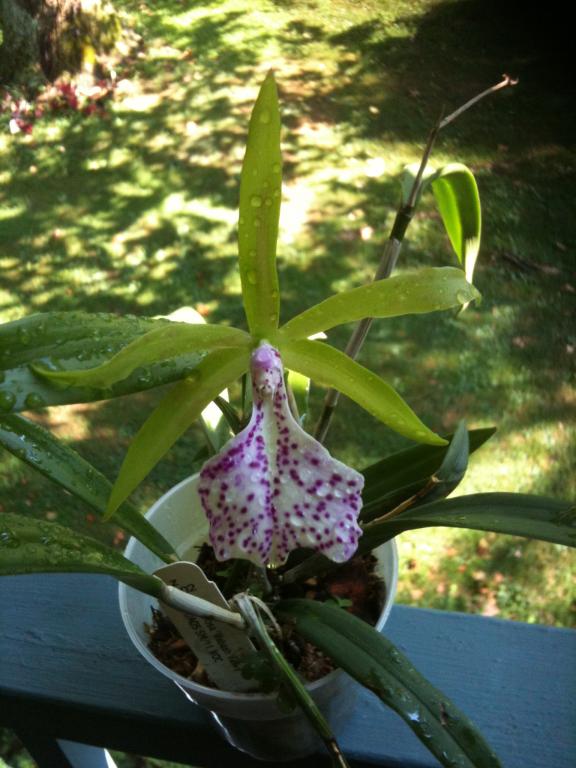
x,y
9,539
255,201
34,400
145,378
7,400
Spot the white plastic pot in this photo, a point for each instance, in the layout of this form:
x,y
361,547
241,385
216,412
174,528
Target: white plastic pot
x,y
251,722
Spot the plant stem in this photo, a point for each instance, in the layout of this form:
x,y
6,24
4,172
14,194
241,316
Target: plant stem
x,y
432,483
196,606
394,245
290,679
387,264
236,576
207,437
504,83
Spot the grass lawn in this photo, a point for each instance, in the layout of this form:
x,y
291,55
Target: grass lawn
x,y
135,212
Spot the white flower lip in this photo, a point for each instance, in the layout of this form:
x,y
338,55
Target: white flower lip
x,y
273,487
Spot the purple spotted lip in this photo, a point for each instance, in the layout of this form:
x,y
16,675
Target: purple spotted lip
x,y
274,488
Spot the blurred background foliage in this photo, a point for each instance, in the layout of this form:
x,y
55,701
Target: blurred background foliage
x,y
119,192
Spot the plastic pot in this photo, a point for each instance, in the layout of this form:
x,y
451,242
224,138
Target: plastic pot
x,y
251,722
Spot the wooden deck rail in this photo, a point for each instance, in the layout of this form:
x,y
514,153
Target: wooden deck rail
x,y
68,671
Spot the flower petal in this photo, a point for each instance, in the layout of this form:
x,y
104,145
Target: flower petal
x,y
273,487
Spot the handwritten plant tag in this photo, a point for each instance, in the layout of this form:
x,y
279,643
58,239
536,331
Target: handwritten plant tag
x,y
220,648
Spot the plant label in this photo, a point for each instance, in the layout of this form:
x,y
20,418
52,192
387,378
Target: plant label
x,y
220,648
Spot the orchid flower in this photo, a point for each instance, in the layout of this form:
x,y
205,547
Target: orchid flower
x,y
301,496
273,487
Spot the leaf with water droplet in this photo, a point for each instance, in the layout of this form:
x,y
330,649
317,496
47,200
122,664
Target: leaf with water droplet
x,y
373,661
257,235
34,400
518,514
426,290
56,338
330,367
177,411
7,400
167,341
8,538
28,546
62,465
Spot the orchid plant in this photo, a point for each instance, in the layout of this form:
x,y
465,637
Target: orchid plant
x,y
272,493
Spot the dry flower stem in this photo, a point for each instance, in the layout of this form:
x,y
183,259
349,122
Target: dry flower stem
x,y
394,245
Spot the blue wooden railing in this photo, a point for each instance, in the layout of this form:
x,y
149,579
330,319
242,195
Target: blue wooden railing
x,y
68,672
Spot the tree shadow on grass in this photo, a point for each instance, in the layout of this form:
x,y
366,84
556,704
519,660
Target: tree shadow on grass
x,y
449,52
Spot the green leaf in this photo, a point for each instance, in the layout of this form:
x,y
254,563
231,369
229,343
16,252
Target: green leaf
x,y
33,546
410,468
427,290
180,408
260,195
292,687
68,334
438,485
69,340
535,517
396,479
458,200
45,453
332,368
229,413
455,462
377,664
408,177
156,345
411,477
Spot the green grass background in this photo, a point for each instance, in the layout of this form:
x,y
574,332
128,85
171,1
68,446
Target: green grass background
x,y
135,212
